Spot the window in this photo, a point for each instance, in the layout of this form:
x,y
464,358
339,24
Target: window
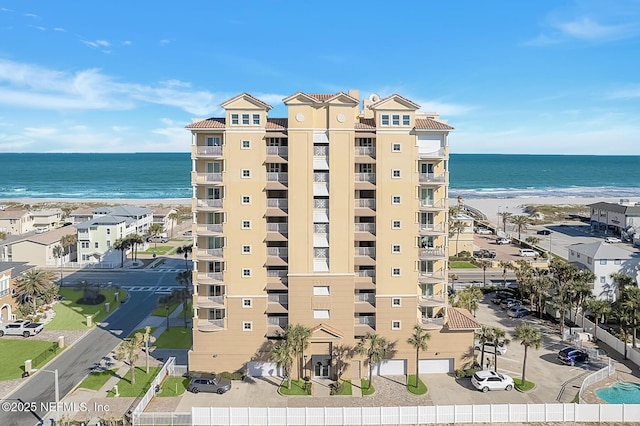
x,y
246,144
395,147
395,325
246,199
247,326
108,244
395,199
395,272
246,224
246,272
321,314
246,173
617,262
85,244
246,249
395,120
396,302
395,173
256,119
384,119
588,260
395,224
97,244
246,303
603,261
603,280
395,248
234,119
321,290
406,120
213,140
245,119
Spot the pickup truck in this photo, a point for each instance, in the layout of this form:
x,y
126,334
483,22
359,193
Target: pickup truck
x,y
20,328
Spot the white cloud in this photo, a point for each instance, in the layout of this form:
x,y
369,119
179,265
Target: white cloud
x,y
39,132
31,15
96,44
586,28
103,43
629,92
127,43
60,30
165,41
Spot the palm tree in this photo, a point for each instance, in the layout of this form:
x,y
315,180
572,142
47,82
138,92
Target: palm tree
x,y
418,340
68,241
580,290
469,298
129,351
623,280
499,338
505,218
185,278
174,217
484,264
186,249
528,337
122,245
32,285
540,286
631,303
561,302
374,347
505,264
598,308
89,291
166,300
58,252
484,336
146,338
156,229
134,240
456,228
622,314
283,355
298,335
521,223
532,240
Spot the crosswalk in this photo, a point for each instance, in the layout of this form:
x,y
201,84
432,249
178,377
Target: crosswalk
x,y
164,270
157,290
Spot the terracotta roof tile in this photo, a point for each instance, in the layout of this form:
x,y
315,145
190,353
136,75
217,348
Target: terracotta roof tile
x,y
321,97
395,95
328,328
431,124
250,96
277,123
209,123
461,319
366,123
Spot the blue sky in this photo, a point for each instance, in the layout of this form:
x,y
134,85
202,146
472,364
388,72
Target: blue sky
x,y
544,76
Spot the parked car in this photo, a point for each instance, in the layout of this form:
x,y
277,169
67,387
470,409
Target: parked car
x,y
508,303
158,239
42,230
501,296
490,380
485,231
612,240
485,253
528,253
518,312
572,356
215,384
491,348
503,240
543,232
187,234
20,328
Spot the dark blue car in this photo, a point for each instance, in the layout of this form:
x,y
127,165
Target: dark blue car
x,y
573,356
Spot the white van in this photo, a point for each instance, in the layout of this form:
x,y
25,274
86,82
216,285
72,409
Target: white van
x,y
528,253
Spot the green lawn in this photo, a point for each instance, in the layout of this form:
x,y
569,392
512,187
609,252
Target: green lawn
x,y
367,388
161,311
160,250
527,385
95,381
14,352
461,264
347,388
72,316
421,389
297,388
174,386
143,381
175,338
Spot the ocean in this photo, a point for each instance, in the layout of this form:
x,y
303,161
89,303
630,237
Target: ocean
x,y
167,175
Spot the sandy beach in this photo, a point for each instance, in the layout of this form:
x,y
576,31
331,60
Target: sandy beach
x,y
140,202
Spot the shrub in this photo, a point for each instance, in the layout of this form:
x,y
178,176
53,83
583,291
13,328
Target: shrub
x,y
335,388
236,375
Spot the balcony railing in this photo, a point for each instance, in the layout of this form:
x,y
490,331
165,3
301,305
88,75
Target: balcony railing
x,y
431,153
212,227
281,252
432,177
209,177
278,203
214,202
365,297
281,228
368,320
366,251
282,299
437,275
321,177
210,300
209,150
366,273
215,252
277,177
281,322
431,227
210,276
428,202
431,252
280,151
433,321
365,177
210,325
277,274
365,227
369,151
320,151
365,203
436,298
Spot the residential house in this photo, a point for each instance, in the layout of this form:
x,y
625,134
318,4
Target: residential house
x,y
15,221
9,271
604,259
163,216
38,249
621,219
463,240
319,219
46,219
80,215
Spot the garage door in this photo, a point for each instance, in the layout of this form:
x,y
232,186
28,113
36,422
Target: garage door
x,y
391,367
261,368
431,366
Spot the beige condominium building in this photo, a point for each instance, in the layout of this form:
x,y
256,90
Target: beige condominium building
x,y
335,218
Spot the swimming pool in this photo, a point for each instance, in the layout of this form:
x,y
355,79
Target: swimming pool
x,y
620,393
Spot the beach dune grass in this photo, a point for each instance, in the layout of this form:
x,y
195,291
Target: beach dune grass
x,y
97,379
143,382
14,352
72,315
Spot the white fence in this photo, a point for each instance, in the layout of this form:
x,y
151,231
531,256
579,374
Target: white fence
x,y
164,419
167,369
595,377
494,413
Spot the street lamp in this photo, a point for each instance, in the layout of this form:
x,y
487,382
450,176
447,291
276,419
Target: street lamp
x,y
57,391
304,367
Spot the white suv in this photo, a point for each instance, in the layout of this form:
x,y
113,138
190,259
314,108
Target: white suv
x,y
490,380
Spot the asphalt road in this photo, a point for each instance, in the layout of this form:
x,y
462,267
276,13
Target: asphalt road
x,y
74,364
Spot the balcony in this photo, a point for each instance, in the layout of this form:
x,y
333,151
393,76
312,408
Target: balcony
x,y
277,303
210,254
276,280
432,300
365,279
277,207
431,277
277,154
277,231
432,323
433,153
277,256
430,204
365,231
209,229
277,180
365,151
365,180
204,178
432,177
431,229
365,206
208,204
431,253
210,301
365,303
364,324
210,325
210,278
208,151
276,325
365,256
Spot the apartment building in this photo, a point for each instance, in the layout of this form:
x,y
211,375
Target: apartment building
x,y
335,218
